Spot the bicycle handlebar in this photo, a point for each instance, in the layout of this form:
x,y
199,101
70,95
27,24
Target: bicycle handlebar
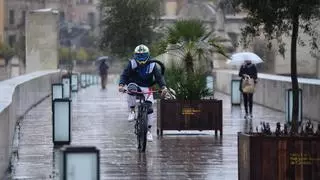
x,y
169,94
138,92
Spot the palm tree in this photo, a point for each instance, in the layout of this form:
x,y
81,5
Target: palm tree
x,y
195,43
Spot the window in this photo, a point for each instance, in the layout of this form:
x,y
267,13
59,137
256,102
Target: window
x,y
23,18
11,17
12,40
62,16
91,19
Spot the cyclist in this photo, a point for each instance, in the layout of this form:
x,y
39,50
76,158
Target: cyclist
x,y
145,75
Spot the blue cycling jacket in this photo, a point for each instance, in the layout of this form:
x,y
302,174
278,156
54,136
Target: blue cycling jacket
x,y
144,76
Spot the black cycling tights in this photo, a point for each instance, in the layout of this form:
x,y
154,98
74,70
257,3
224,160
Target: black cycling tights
x,y
247,98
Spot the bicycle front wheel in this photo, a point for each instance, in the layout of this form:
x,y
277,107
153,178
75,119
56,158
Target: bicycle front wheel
x,y
142,128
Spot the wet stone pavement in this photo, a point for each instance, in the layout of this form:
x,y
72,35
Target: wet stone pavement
x,y
99,118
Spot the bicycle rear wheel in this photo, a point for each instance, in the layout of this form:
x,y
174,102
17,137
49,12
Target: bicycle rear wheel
x,y
142,126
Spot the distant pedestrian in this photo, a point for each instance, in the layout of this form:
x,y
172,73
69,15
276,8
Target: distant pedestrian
x,y
103,72
248,73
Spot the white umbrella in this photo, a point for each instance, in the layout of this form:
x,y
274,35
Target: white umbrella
x,y
239,58
102,58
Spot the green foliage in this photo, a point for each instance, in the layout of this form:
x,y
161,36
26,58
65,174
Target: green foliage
x,y
274,19
6,51
158,47
93,54
186,30
82,55
63,53
195,45
127,23
192,86
188,79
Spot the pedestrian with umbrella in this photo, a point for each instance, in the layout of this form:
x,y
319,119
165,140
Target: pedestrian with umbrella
x,y
103,70
248,73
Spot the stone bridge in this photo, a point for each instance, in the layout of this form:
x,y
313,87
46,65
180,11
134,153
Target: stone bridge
x,y
99,119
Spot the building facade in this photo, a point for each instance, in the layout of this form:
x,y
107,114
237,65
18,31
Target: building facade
x,y
15,13
87,13
2,20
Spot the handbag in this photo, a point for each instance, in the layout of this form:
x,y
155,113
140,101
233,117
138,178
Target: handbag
x,y
248,85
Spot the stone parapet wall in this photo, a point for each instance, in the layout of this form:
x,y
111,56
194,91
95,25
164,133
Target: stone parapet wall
x,y
17,96
270,91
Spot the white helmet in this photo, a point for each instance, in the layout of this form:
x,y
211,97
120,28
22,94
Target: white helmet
x,y
141,54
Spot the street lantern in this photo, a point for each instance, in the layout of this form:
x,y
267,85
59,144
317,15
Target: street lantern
x,y
92,79
61,121
235,92
80,163
66,81
83,80
209,80
56,91
289,105
88,80
74,82
97,79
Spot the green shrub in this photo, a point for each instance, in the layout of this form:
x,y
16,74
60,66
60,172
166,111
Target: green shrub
x,y
191,86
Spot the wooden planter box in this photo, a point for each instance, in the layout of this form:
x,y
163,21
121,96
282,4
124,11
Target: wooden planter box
x,y
278,158
189,115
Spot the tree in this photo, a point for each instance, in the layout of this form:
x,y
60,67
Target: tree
x,y
82,55
275,18
64,53
93,53
6,52
158,47
193,38
316,51
194,46
127,23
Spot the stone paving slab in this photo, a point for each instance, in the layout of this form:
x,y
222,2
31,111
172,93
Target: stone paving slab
x,y
99,119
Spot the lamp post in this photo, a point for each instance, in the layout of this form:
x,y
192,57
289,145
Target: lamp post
x,y
80,163
56,91
96,79
66,81
74,82
83,80
61,121
235,92
209,80
91,79
70,68
289,105
87,80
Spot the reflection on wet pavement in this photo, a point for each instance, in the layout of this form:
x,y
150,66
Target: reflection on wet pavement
x,y
99,118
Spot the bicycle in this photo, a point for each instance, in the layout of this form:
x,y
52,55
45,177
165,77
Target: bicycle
x,y
144,108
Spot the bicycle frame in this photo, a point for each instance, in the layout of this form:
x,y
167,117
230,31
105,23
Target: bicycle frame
x,y
141,125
